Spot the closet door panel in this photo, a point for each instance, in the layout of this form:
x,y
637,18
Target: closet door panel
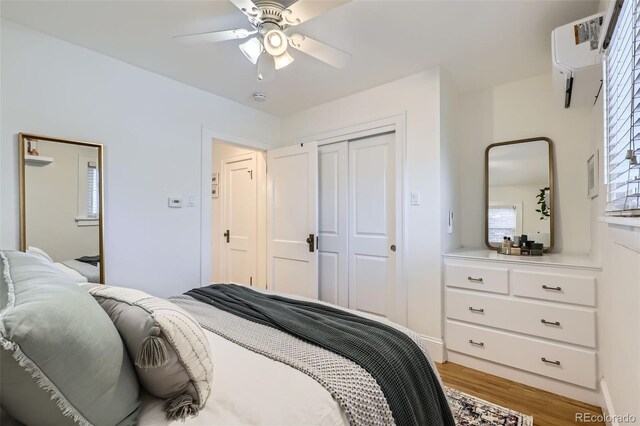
x,y
333,241
371,224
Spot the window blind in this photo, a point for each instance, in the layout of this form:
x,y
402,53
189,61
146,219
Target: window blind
x,y
92,190
502,222
622,113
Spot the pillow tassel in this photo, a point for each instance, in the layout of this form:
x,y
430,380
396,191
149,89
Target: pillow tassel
x,y
153,351
181,407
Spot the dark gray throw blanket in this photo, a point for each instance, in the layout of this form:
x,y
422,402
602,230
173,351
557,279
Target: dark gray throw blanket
x,y
91,260
402,371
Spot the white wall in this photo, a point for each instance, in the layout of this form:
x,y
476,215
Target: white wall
x,y
419,97
151,128
519,110
618,250
51,198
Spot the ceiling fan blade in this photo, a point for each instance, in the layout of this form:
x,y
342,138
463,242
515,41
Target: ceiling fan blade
x,y
303,10
246,6
325,53
214,36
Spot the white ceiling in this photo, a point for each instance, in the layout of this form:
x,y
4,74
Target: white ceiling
x,y
480,43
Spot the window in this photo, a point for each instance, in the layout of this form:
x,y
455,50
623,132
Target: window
x,y
622,113
92,190
88,191
502,222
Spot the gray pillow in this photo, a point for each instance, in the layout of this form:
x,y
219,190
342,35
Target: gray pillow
x,y
62,361
170,351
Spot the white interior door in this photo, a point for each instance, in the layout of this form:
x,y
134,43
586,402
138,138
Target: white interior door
x,y
333,221
292,219
372,212
239,253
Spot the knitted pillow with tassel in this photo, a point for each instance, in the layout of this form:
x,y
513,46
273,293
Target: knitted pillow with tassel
x,y
170,351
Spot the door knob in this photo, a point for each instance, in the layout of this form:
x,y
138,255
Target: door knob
x,y
393,247
311,241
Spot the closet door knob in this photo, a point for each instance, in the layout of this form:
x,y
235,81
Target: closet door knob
x,y
393,247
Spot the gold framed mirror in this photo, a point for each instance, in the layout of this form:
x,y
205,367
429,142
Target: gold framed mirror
x,y
62,204
519,191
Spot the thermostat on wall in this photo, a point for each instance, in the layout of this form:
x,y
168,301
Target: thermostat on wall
x,y
175,202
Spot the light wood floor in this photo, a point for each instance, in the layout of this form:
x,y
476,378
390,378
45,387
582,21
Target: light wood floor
x,y
547,409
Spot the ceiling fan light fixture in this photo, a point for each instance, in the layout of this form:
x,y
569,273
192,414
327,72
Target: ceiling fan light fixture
x,y
266,67
283,60
252,49
275,42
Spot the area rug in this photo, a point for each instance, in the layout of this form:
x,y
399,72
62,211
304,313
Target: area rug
x,y
471,411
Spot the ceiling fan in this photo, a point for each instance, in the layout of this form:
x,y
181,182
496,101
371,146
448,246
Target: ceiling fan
x,y
272,21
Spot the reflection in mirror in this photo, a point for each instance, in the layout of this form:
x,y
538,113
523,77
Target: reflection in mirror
x,y
519,191
61,212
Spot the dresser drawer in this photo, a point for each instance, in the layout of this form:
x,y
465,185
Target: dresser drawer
x,y
556,287
565,324
494,280
571,365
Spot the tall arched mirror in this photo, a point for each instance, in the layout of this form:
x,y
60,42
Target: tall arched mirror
x,y
519,191
61,204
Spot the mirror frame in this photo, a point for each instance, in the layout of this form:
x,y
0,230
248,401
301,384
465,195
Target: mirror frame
x,y
22,137
551,188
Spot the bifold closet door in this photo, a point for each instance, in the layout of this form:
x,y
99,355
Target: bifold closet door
x,y
240,200
372,211
333,220
292,219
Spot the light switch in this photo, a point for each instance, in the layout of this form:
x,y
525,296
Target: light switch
x,y
191,200
415,198
175,202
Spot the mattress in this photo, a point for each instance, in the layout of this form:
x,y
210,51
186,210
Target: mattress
x,y
251,389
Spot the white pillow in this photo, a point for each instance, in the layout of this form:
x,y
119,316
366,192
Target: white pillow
x,y
39,252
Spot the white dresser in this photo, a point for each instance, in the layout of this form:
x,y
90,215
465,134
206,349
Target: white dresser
x,y
533,317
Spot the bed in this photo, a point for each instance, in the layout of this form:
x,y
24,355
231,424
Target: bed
x,y
261,392
252,357
83,269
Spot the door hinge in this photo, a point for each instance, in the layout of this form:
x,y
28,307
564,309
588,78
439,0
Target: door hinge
x,y
227,235
251,281
250,173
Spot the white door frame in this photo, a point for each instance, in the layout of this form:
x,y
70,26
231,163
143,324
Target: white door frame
x,y
208,135
397,124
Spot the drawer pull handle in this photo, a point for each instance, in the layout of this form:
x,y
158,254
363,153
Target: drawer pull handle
x,y
481,344
557,323
546,287
550,362
472,309
475,280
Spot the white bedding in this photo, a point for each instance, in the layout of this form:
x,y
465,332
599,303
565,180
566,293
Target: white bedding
x,y
75,275
251,389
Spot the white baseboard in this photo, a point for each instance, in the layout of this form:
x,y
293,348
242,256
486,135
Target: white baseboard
x,y
607,405
434,346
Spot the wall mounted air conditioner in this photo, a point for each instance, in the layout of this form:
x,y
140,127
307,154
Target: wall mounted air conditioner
x,y
576,56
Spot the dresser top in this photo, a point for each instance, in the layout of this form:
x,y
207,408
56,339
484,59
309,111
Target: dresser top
x,y
574,260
